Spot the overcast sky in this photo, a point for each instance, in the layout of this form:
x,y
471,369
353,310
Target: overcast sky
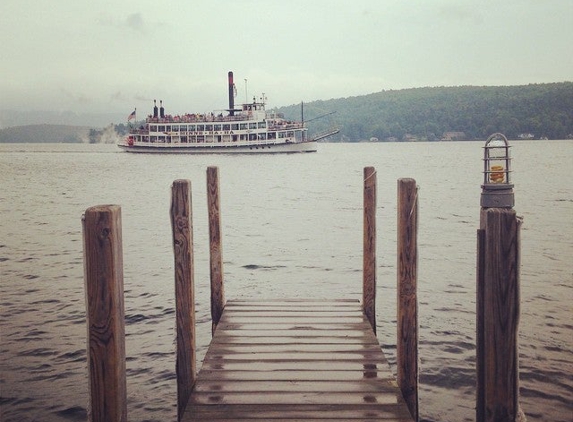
x,y
104,55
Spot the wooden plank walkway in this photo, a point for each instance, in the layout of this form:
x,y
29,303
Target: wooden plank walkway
x,y
295,360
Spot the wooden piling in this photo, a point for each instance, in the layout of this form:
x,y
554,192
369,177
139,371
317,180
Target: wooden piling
x,y
215,246
103,277
182,229
480,369
498,316
407,315
369,246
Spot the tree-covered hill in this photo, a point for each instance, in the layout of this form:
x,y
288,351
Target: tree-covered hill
x,y
44,133
543,110
465,113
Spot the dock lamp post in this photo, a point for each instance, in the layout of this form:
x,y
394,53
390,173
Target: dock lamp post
x,y
497,290
497,190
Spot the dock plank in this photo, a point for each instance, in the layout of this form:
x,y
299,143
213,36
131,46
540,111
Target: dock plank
x,y
295,360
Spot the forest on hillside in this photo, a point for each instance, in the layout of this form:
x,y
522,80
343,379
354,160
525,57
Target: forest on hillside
x,y
51,133
44,133
466,112
536,111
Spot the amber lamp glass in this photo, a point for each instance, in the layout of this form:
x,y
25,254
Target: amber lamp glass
x,y
497,190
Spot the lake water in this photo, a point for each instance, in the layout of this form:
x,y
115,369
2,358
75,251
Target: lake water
x,y
292,227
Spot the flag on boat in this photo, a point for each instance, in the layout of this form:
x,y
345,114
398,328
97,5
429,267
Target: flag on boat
x,y
131,116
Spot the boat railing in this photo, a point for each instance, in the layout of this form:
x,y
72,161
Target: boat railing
x,y
284,126
230,144
199,118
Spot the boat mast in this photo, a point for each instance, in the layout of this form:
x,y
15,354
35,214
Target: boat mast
x,y
302,120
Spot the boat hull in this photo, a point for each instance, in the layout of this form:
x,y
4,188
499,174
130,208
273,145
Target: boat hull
x,y
267,148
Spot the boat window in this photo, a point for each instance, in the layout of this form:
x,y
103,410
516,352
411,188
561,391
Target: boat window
x,y
252,125
153,128
161,128
290,134
192,128
263,136
226,127
235,126
200,128
282,134
262,125
167,128
243,126
217,127
209,127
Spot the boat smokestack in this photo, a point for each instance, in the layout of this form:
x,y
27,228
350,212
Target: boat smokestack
x,y
154,109
161,109
231,95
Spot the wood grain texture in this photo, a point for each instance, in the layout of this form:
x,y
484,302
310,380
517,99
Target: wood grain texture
x,y
500,303
215,246
480,364
182,231
103,276
297,364
369,247
407,338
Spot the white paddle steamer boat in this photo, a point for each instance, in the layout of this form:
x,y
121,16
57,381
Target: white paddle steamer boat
x,y
250,129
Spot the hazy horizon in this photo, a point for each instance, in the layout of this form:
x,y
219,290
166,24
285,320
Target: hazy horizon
x,y
94,57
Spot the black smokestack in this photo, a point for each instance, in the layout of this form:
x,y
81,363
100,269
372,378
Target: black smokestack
x,y
161,109
154,109
231,95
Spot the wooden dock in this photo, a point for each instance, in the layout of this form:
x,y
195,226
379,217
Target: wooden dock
x,y
295,360
268,360
300,359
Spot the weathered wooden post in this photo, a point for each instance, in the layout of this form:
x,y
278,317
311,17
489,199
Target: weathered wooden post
x,y
497,290
407,343
369,246
182,229
215,246
103,277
